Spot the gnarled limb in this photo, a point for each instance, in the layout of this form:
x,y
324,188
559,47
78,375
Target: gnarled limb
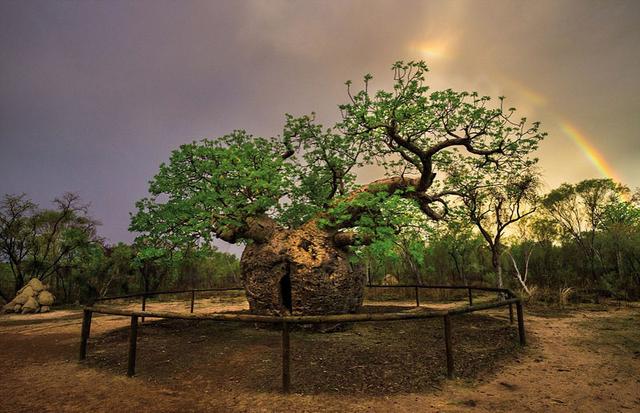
x,y
349,238
258,229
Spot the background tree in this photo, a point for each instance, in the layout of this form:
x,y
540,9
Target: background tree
x,y
460,245
154,262
579,210
495,206
522,247
620,226
99,269
36,242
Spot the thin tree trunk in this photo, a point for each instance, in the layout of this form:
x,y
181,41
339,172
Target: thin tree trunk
x,y
455,262
497,267
19,283
4,297
620,264
519,276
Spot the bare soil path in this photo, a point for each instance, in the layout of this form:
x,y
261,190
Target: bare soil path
x,y
581,361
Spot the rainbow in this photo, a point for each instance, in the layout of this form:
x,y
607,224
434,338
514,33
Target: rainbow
x,y
440,48
591,152
570,130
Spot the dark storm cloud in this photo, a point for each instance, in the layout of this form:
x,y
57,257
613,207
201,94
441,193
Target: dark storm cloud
x,y
94,95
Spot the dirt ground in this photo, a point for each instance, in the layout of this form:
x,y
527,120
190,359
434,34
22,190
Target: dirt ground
x,y
583,359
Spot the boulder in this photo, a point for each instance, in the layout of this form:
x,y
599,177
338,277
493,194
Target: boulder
x,y
390,279
45,309
36,285
30,306
20,299
31,298
45,298
28,291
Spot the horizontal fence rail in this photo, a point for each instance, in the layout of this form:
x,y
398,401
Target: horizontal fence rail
x,y
252,318
154,293
508,299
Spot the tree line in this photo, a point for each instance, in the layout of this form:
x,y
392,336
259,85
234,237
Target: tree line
x,y
61,247
579,236
460,201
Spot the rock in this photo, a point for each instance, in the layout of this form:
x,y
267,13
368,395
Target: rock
x,y
36,285
28,291
31,298
30,306
45,298
45,309
21,299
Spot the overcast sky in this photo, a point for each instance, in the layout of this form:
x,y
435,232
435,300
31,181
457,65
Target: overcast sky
x,y
95,94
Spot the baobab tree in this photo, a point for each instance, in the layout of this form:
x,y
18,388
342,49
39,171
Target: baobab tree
x,y
293,201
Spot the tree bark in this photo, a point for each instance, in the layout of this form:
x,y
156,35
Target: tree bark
x,y
522,279
301,271
497,267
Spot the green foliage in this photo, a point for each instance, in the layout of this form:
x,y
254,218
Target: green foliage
x,y
38,242
213,188
620,215
60,247
409,128
579,210
210,185
456,253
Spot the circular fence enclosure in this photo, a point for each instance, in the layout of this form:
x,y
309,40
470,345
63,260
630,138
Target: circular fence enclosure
x,y
509,299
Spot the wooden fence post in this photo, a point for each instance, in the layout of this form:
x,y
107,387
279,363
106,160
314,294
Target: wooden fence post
x,y
144,306
193,299
84,335
511,313
133,339
417,297
523,339
470,298
448,346
286,377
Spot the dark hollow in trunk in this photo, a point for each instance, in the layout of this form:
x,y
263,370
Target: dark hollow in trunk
x,y
285,292
301,272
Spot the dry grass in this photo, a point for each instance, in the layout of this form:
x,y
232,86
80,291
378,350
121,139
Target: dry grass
x,y
564,295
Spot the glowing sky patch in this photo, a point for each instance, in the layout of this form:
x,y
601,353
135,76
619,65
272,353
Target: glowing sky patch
x,y
433,49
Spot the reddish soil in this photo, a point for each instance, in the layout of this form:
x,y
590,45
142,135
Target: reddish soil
x,y
581,360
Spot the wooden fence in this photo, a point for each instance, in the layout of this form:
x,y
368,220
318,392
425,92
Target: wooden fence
x,y
506,298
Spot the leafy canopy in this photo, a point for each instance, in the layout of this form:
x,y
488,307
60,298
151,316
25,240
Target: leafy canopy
x,y
215,188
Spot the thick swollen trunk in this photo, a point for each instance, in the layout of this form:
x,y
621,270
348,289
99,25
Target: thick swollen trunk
x,y
302,271
306,270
